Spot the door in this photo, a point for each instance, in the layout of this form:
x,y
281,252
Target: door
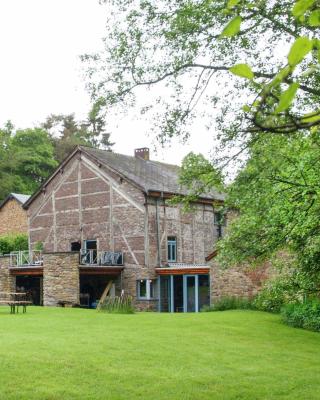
x,y
90,253
190,293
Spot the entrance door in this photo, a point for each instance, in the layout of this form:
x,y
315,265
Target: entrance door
x,y
190,293
90,255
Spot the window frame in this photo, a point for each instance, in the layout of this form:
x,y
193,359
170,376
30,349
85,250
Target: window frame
x,y
221,220
150,289
172,244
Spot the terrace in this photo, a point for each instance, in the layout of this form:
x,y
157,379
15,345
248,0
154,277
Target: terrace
x,y
34,259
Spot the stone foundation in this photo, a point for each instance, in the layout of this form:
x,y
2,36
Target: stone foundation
x,y
60,278
7,281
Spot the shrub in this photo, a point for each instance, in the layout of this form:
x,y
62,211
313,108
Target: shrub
x,y
292,286
118,305
16,242
230,303
302,315
271,298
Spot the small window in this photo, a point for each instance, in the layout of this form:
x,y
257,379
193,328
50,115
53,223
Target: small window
x,y
145,289
172,249
75,246
219,218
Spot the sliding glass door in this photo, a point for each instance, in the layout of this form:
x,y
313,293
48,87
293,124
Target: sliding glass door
x,y
190,293
183,293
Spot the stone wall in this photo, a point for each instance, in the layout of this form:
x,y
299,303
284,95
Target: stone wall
x,y
130,275
60,278
7,281
242,281
13,218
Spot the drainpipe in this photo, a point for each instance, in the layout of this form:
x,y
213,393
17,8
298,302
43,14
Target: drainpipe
x,y
158,232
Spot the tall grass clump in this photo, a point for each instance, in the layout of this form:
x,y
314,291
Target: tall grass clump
x,y
118,305
230,303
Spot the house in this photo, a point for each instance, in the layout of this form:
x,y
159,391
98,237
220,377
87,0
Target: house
x,y
105,220
13,218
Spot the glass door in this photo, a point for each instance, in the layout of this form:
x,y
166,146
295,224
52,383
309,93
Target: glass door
x,y
190,293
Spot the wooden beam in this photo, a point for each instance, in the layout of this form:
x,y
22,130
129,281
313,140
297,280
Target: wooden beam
x,y
104,294
27,271
182,271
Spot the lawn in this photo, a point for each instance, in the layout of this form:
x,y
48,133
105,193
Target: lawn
x,y
56,353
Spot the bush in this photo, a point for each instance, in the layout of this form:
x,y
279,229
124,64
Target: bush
x,y
230,303
271,298
291,286
302,315
118,305
10,243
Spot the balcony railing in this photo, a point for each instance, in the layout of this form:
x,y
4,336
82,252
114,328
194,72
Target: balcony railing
x,y
102,258
26,258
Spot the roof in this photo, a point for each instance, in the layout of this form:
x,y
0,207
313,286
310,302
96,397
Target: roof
x,y
21,198
149,175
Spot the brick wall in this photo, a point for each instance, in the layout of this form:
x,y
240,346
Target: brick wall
x,y
60,278
194,231
13,218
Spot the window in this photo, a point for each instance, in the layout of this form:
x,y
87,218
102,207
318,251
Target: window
x,y
145,289
219,221
75,246
172,249
89,253
218,218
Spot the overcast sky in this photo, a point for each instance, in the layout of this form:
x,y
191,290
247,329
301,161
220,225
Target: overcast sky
x,y
41,73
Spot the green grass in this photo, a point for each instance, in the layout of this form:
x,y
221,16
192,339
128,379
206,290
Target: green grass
x,y
56,353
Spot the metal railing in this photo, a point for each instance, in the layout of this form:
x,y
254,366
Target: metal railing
x,y
26,258
103,258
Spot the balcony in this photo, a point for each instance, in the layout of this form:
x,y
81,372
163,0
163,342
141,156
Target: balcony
x,y
101,258
26,259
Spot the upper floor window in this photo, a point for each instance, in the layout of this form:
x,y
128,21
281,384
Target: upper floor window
x,y
172,249
219,218
219,221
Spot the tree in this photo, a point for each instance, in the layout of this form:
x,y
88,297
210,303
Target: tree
x,y
66,132
26,159
277,195
258,60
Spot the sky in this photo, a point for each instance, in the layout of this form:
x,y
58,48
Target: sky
x,y
41,72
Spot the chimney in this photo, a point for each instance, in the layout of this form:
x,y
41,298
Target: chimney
x,y
142,153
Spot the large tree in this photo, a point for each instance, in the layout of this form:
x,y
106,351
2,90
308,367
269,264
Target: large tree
x,y
255,61
66,132
253,66
26,159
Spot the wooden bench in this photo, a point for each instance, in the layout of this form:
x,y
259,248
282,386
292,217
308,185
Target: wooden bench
x,y
15,300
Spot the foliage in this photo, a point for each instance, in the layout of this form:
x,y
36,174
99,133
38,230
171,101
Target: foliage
x,y
38,246
29,156
258,63
257,60
26,159
302,315
278,198
197,176
118,305
66,132
9,243
80,354
230,303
